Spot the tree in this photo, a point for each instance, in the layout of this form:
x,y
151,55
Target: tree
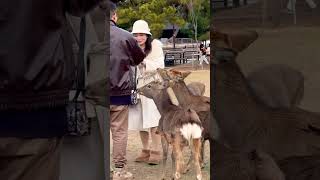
x,y
158,14
197,14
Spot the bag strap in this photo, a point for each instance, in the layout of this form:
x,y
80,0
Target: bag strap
x,y
80,73
135,79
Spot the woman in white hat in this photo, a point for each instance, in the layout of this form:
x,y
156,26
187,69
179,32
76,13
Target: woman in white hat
x,y
145,116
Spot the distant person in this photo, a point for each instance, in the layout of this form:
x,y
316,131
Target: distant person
x,y
125,52
203,52
145,116
208,51
310,3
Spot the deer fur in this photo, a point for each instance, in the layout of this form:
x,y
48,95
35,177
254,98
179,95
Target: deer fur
x,y
281,132
277,85
228,164
187,99
177,126
196,88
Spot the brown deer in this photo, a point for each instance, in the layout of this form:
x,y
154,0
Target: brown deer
x,y
244,121
201,104
178,126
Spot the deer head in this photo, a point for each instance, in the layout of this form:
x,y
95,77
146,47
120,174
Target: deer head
x,y
226,46
155,88
152,89
149,77
236,40
173,75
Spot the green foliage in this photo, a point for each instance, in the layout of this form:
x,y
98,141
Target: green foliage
x,y
205,36
158,13
198,15
186,32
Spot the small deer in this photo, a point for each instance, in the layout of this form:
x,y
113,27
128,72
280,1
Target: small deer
x,y
186,99
178,126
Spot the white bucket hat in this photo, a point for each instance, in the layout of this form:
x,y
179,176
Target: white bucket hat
x,y
141,26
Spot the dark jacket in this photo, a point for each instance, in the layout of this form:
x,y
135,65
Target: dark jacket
x,y
124,53
36,57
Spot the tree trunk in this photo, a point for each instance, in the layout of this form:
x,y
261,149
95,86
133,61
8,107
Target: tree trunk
x,y
174,36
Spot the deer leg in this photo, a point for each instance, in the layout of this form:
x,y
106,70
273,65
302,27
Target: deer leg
x,y
202,164
173,160
196,152
189,162
184,167
165,145
178,155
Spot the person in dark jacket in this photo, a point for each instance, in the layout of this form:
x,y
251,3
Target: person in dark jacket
x,y
125,53
37,70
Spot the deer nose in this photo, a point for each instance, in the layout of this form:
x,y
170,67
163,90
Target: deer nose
x,y
139,91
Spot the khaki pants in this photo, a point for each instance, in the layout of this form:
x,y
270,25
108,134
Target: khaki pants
x,y
119,130
29,159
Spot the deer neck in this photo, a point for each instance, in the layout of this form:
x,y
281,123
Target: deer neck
x,y
163,102
182,93
230,77
237,112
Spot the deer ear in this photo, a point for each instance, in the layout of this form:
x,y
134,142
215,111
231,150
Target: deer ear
x,y
180,74
162,73
241,40
185,74
221,39
175,71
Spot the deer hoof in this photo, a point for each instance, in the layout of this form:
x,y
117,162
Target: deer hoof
x,y
202,165
199,177
176,176
163,178
186,169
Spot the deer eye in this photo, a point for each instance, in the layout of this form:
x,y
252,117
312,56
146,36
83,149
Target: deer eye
x,y
149,86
